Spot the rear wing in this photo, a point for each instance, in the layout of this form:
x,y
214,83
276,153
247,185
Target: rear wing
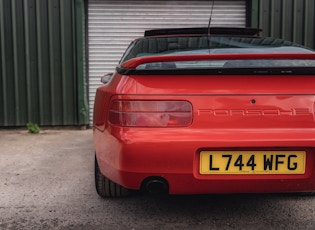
x,y
196,64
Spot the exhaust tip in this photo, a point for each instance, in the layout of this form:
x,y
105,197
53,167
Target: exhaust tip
x,y
156,186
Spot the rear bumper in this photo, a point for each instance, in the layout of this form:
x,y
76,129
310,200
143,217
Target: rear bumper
x,y
129,156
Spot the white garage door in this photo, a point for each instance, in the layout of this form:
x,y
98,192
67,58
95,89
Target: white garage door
x,y
113,24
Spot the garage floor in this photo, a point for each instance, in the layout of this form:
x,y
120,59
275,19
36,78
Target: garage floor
x,y
47,182
45,178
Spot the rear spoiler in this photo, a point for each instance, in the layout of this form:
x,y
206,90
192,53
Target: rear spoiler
x,y
135,62
130,66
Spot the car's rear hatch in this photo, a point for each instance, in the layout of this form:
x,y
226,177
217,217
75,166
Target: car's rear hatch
x,y
257,96
236,102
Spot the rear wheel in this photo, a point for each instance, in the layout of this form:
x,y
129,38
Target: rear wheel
x,y
107,188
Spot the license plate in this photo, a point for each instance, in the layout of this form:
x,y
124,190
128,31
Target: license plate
x,y
252,162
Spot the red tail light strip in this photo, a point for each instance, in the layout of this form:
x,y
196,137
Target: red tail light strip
x,y
133,113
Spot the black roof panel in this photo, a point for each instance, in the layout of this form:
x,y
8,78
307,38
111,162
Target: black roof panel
x,y
204,30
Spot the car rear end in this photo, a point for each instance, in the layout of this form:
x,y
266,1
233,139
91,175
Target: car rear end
x,y
234,129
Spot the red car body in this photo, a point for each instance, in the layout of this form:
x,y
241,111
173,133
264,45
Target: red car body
x,y
195,131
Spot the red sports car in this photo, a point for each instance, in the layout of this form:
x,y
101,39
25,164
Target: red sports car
x,y
198,111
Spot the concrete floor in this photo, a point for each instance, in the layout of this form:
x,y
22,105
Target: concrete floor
x,y
47,182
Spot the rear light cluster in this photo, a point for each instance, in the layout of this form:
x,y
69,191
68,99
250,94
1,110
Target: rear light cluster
x,y
134,113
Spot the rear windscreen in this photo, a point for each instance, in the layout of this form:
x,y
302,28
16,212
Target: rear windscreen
x,y
186,45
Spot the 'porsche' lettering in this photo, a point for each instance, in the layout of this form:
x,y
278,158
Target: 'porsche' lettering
x,y
253,112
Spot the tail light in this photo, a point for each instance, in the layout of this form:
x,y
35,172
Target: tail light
x,y
133,113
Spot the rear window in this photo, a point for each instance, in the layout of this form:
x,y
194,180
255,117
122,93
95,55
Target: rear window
x,y
185,45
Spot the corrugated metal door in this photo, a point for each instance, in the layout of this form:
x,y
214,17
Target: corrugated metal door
x,y
41,66
113,24
293,20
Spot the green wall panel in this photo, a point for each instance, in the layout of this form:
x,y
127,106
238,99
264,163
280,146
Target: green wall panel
x,y
292,20
41,48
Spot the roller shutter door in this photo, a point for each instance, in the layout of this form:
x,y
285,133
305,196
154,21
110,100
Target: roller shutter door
x,y
113,24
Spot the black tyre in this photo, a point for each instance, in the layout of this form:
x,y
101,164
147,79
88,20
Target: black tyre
x,y
107,188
